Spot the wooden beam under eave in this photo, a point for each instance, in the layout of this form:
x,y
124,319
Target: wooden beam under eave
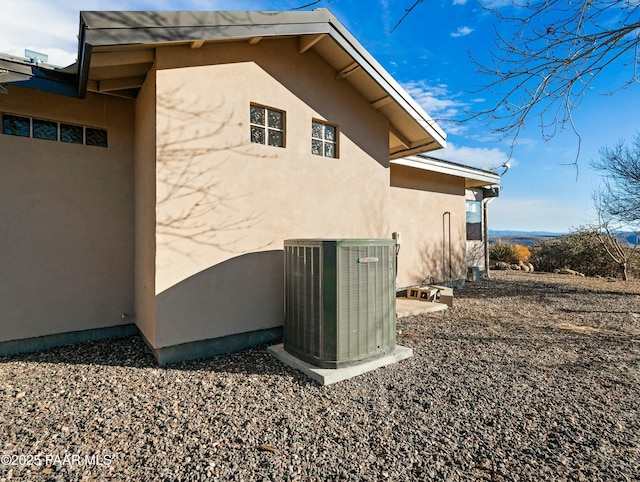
x,y
403,140
112,59
254,40
196,44
347,71
308,41
93,86
381,102
120,84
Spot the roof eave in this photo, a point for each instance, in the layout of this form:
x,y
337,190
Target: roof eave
x,y
38,76
389,84
125,28
478,177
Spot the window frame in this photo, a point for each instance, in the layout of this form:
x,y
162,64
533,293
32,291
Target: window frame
x,y
7,116
44,122
325,141
64,137
267,129
99,133
475,233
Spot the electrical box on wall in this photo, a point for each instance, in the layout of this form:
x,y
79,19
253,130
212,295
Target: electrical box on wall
x,y
339,300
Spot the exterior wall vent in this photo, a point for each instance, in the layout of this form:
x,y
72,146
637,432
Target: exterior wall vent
x,y
339,300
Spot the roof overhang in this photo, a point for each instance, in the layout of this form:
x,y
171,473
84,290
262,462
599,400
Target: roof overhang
x,y
116,50
20,71
473,177
125,43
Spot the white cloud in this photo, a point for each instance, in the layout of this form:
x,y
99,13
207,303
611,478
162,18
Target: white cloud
x,y
482,157
440,104
462,32
47,27
459,2
51,26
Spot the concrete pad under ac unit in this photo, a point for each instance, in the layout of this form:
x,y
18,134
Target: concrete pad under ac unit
x,y
412,307
327,376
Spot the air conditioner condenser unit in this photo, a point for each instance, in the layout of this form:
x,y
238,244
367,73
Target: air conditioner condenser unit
x,y
339,300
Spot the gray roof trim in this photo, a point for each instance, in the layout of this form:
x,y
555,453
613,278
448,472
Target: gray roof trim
x,y
124,28
19,71
450,168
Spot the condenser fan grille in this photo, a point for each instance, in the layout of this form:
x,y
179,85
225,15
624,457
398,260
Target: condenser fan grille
x,y
339,300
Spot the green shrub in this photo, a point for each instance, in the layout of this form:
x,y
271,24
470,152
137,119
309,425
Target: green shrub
x,y
579,251
501,265
501,251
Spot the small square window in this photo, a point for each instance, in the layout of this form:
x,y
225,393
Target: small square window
x,y
257,134
95,137
329,150
275,119
329,133
267,126
275,138
43,129
257,115
14,125
324,139
72,134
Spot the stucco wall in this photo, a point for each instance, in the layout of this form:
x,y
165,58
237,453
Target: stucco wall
x,y
225,205
66,219
145,207
419,201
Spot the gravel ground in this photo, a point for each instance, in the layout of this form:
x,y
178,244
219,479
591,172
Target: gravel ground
x,y
529,377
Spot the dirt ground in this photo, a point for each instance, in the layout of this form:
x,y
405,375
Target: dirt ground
x,y
529,377
566,302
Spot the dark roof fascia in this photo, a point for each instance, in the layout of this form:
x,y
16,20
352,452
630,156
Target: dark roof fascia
x,y
112,28
38,76
84,59
127,27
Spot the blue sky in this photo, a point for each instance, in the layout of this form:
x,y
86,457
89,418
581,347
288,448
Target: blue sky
x,y
428,55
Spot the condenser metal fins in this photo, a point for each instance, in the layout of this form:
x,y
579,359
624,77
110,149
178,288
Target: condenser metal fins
x,y
339,300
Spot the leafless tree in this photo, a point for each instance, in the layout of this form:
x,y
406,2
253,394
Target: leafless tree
x,y
550,57
547,56
619,196
610,237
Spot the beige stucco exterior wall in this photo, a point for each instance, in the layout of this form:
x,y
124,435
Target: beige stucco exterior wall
x,y
225,205
145,207
419,201
66,219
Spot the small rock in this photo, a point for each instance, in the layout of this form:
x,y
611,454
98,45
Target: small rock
x,y
267,448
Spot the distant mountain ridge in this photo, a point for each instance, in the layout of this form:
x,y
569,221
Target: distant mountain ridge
x,y
523,238
507,232
529,238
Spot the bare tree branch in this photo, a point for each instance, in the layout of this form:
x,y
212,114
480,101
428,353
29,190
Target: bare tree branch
x,y
619,250
550,59
307,5
619,195
406,13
